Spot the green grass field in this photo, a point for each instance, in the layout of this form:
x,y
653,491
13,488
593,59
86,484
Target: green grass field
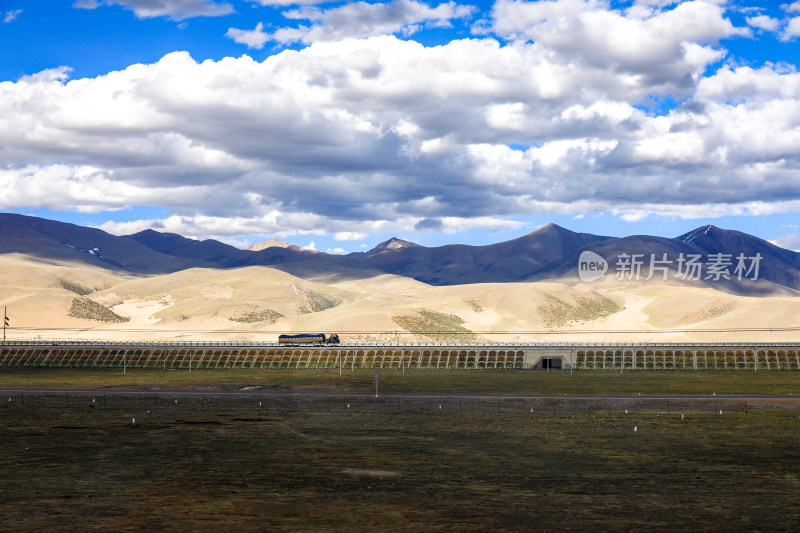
x,y
774,382
388,464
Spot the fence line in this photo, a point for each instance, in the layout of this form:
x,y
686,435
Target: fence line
x,y
598,356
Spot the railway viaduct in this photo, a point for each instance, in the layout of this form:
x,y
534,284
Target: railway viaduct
x,y
599,356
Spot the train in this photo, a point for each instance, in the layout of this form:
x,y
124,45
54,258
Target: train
x,y
309,338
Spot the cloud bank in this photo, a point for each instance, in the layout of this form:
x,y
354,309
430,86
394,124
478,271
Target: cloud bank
x,y
551,107
172,9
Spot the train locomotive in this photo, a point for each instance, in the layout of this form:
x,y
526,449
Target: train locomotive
x,y
309,338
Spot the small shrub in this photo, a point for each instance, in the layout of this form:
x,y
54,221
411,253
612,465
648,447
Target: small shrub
x,y
91,310
314,302
435,326
77,288
475,305
262,315
558,313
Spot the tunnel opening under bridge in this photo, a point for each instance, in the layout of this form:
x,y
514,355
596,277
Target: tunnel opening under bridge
x,y
547,363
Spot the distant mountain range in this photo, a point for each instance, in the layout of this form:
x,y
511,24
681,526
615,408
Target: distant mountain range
x,y
724,259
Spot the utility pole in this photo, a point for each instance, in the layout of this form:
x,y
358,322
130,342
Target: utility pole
x,y
5,321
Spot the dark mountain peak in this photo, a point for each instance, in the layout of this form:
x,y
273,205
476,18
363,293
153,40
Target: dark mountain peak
x,y
713,238
148,233
392,244
176,245
554,231
547,253
153,234
51,239
553,228
699,233
549,231
161,242
552,239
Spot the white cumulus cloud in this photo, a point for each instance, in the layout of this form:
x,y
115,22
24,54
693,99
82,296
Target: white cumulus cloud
x,y
666,49
362,19
173,9
352,136
252,38
764,22
790,242
283,3
792,29
350,236
11,16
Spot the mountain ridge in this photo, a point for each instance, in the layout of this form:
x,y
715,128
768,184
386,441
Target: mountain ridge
x,y
548,253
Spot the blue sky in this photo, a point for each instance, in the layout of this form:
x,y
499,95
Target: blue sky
x,y
341,124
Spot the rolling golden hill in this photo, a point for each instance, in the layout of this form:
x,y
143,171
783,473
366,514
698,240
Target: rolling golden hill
x,y
49,299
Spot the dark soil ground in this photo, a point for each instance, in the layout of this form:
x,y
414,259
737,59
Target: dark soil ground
x,y
302,463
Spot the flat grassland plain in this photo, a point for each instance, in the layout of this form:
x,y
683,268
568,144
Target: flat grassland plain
x,y
297,462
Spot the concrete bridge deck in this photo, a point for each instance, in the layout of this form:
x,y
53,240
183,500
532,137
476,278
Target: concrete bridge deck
x,y
601,356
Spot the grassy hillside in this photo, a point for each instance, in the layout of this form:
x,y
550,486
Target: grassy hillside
x,y
435,326
89,310
586,307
